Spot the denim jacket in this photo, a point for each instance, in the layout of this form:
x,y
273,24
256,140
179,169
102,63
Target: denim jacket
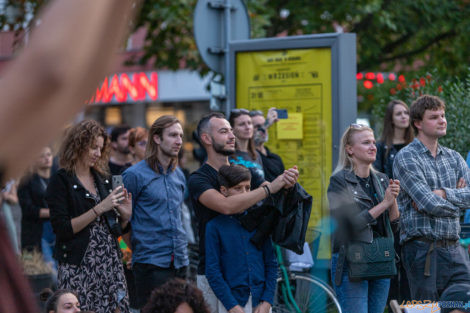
x,y
350,205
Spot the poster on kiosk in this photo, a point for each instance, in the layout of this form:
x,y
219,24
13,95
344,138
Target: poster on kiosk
x,y
313,79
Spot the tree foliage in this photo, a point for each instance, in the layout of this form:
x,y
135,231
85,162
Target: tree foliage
x,y
391,35
455,93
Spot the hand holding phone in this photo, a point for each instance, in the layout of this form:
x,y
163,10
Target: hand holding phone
x,y
117,181
282,113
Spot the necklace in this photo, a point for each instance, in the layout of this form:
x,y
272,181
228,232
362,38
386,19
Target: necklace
x,y
365,181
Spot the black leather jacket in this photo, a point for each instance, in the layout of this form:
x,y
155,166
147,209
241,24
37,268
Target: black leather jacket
x,y
67,199
350,205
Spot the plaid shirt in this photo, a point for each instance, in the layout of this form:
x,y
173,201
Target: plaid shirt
x,y
419,174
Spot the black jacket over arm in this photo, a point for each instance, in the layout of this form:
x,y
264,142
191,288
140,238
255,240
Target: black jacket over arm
x,y
67,199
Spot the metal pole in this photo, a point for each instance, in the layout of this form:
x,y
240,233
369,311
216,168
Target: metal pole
x,y
227,63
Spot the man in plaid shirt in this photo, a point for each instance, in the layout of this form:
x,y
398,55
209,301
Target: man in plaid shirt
x,y
434,189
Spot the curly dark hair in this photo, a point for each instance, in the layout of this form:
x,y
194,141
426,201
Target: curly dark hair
x,y
78,140
167,298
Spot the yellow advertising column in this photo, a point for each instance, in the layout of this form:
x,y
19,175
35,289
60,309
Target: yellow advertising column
x,y
299,80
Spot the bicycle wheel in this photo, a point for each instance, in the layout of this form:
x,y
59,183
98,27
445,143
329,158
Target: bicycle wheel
x,y
310,294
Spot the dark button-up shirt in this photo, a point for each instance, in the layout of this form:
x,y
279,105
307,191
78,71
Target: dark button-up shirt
x,y
157,235
420,173
235,268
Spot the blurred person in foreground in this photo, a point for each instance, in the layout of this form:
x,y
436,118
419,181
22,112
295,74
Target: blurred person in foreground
x,y
435,189
397,133
57,74
87,217
455,299
359,198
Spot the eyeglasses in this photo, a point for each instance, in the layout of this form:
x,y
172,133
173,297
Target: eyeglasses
x,y
358,126
256,113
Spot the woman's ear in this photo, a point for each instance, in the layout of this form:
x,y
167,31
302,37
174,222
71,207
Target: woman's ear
x,y
224,191
348,149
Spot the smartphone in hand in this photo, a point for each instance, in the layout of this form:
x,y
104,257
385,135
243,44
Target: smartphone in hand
x,y
281,113
117,181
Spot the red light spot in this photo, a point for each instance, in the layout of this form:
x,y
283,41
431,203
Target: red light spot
x,y
401,79
368,84
370,75
422,82
392,76
359,76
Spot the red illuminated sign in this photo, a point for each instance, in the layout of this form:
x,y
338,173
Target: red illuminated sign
x,y
127,88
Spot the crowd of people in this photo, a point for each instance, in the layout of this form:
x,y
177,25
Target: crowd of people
x,y
403,194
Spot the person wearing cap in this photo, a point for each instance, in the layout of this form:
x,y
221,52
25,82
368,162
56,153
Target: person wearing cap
x,y
456,299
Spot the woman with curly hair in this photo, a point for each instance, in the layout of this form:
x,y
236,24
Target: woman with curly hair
x,y
176,296
87,216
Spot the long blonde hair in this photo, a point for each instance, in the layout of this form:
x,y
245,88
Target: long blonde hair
x,y
344,160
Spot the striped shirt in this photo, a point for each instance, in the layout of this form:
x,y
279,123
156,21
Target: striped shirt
x,y
419,174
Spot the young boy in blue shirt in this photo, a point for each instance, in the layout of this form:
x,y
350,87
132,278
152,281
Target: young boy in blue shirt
x,y
242,277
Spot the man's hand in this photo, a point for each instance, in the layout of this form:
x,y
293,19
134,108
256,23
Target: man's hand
x,y
263,307
441,193
271,117
236,309
290,177
461,183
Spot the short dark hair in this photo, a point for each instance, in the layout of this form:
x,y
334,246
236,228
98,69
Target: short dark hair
x,y
52,298
118,131
423,103
167,298
233,174
204,122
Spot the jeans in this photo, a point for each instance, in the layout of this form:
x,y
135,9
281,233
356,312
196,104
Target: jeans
x,y
449,265
149,276
365,296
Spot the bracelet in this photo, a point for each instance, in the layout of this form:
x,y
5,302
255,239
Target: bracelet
x,y
266,189
94,211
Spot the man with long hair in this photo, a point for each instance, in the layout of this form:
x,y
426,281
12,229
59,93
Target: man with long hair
x,y
158,239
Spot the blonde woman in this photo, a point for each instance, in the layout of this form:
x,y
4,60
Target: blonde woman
x,y
359,199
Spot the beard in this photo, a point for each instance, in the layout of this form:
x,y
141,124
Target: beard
x,y
259,138
219,148
169,153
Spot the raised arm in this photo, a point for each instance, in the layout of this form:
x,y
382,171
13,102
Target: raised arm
x,y
70,51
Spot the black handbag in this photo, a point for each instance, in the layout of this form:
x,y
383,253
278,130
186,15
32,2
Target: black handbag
x,y
373,260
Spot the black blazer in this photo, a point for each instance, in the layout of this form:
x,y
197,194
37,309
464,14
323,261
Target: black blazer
x,y
32,197
67,199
